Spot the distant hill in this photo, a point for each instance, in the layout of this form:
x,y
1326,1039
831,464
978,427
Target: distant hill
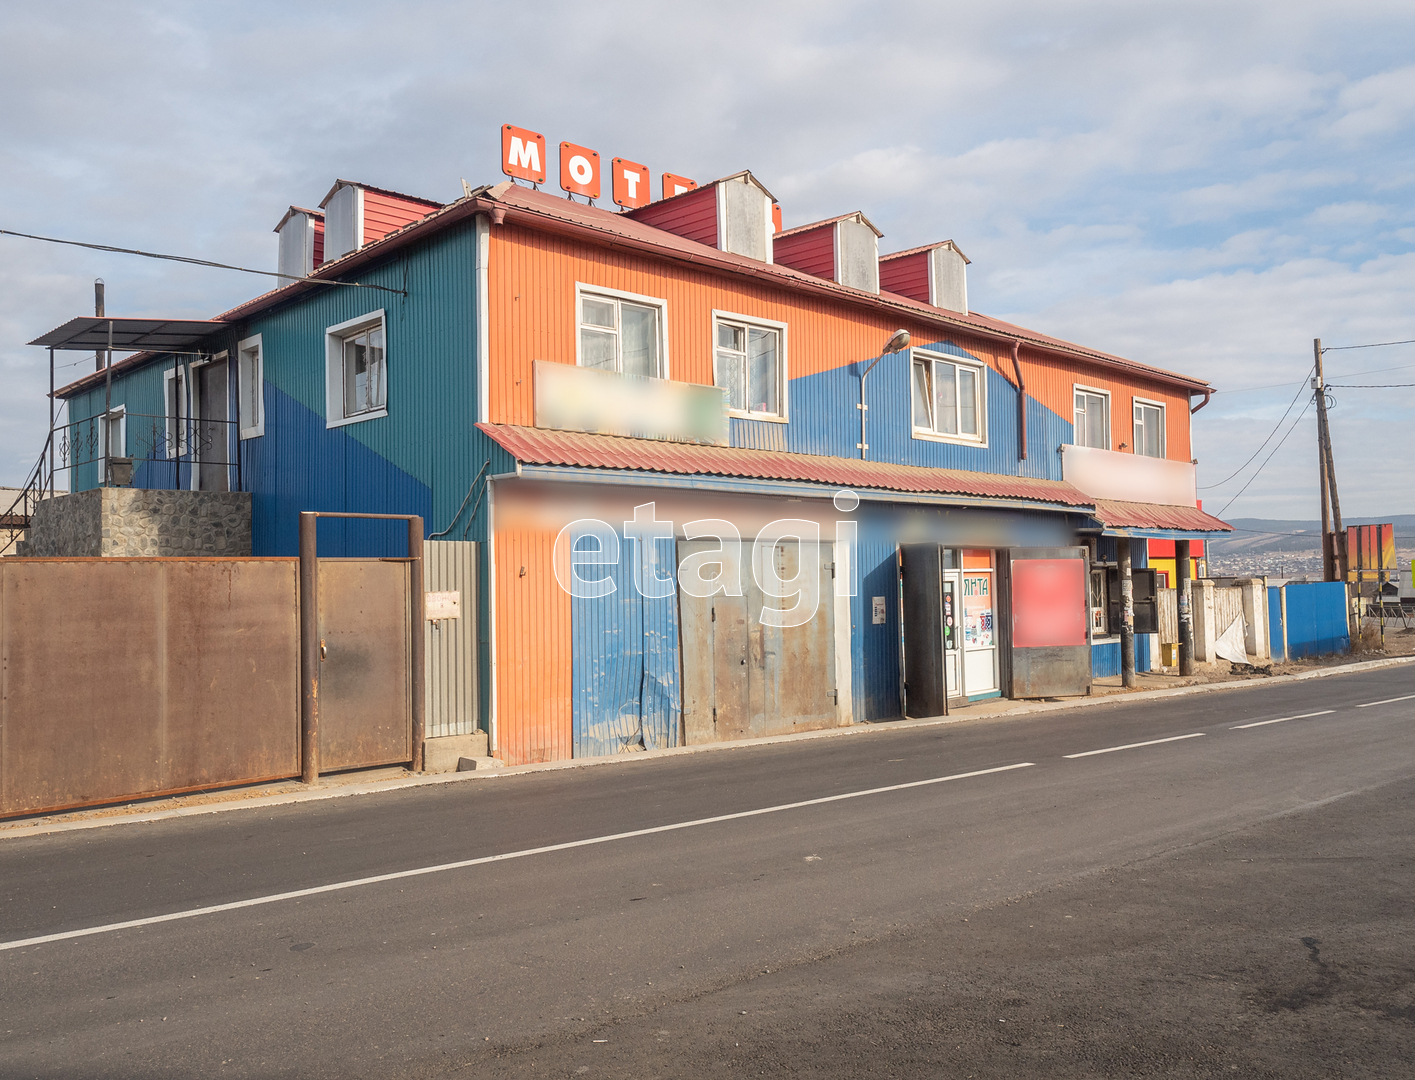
x,y
1257,535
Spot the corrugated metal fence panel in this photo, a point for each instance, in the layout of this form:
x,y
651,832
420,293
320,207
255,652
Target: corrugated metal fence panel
x,y
625,663
875,648
1316,619
451,652
1228,605
533,674
1275,648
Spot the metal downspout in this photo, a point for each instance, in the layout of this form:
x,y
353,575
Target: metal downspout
x,y
1021,402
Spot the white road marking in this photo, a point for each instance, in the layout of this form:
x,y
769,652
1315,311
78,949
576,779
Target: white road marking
x,y
1387,701
1283,719
1134,745
353,883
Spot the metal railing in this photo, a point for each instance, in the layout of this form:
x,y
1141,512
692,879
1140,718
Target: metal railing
x,y
172,452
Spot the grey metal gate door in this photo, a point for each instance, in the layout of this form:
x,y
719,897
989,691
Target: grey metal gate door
x,y
927,629
365,670
742,679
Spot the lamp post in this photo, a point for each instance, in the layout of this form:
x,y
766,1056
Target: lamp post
x,y
898,343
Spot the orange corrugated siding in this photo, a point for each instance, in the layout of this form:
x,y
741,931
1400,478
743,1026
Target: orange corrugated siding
x,y
1051,381
533,650
531,293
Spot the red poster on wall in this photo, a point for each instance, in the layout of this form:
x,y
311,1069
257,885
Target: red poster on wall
x,y
1048,603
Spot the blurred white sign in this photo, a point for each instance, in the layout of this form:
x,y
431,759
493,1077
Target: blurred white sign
x,y
570,398
443,605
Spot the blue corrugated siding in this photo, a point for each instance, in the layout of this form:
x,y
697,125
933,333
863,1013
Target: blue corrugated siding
x,y
624,664
825,421
1316,619
1275,649
1105,659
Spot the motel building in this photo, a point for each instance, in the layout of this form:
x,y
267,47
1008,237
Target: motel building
x,y
707,489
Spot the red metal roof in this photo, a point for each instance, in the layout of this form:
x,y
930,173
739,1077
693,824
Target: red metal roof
x,y
829,221
1133,515
923,248
539,446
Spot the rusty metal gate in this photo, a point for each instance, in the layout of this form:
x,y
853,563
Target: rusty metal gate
x,y
743,679
362,655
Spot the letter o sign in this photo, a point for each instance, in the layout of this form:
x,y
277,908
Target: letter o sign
x,y
579,170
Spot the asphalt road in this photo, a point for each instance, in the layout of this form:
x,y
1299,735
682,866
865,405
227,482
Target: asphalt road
x,y
1232,901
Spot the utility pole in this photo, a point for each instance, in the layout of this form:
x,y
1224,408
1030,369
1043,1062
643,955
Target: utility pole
x,y
1333,534
100,358
1127,613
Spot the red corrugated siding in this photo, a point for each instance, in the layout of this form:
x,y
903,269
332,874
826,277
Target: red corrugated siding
x,y
318,241
384,214
907,275
540,446
532,650
692,215
811,252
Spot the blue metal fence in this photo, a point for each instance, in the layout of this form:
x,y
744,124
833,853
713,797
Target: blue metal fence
x,y
1316,619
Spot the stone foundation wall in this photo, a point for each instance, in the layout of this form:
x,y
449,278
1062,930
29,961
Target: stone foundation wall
x,y
111,522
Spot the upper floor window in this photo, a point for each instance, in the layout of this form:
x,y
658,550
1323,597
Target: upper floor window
x,y
948,397
749,363
622,332
1092,418
1149,428
356,370
250,378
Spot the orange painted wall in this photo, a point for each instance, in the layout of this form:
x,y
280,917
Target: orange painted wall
x,y
532,278
532,650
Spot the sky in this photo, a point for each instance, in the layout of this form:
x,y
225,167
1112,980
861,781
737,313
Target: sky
x,y
1201,186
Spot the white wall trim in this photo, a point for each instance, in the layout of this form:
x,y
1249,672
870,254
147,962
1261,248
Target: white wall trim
x,y
251,427
334,369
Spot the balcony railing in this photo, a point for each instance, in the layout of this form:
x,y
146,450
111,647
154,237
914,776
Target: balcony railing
x,y
172,453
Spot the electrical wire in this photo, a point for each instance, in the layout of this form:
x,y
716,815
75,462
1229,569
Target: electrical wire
x,y
1372,345
1300,387
1371,386
199,262
1275,449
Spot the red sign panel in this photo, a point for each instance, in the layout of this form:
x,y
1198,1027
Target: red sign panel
x,y
522,154
1049,603
630,183
676,185
579,170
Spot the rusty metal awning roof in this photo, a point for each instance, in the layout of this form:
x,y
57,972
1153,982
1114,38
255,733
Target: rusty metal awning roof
x,y
539,446
91,333
1140,519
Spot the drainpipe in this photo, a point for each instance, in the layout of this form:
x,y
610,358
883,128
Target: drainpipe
x,y
1208,393
1021,402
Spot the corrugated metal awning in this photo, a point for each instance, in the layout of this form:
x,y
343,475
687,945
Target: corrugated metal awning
x,y
91,333
1157,519
540,446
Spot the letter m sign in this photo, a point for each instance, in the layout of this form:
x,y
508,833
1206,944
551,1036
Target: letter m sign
x,y
522,154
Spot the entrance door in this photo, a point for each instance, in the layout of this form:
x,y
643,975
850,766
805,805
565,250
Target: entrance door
x,y
213,431
979,624
743,679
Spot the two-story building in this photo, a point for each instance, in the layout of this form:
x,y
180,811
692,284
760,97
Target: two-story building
x,y
714,492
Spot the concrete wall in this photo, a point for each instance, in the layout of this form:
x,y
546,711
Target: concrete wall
x,y
111,522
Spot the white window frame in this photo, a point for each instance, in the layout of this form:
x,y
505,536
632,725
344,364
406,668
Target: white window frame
x,y
120,414
931,434
1159,406
1109,414
334,338
600,292
783,366
176,423
254,427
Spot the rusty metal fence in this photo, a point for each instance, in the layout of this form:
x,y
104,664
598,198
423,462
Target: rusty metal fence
x,y
126,678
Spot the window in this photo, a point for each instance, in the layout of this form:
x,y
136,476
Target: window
x,y
749,363
1149,428
356,371
1100,600
115,431
948,398
250,389
622,332
174,397
1092,418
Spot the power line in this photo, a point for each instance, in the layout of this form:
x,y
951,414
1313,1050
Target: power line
x,y
1275,449
1372,345
1300,387
1371,386
199,262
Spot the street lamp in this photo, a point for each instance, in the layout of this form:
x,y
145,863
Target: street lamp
x,y
898,343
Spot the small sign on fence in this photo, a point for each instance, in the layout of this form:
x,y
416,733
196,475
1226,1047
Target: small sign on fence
x,y
443,605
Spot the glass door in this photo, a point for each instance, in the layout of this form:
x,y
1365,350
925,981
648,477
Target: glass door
x,y
979,624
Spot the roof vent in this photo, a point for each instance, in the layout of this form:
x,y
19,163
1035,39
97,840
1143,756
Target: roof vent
x,y
843,249
934,274
301,243
732,214
356,214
